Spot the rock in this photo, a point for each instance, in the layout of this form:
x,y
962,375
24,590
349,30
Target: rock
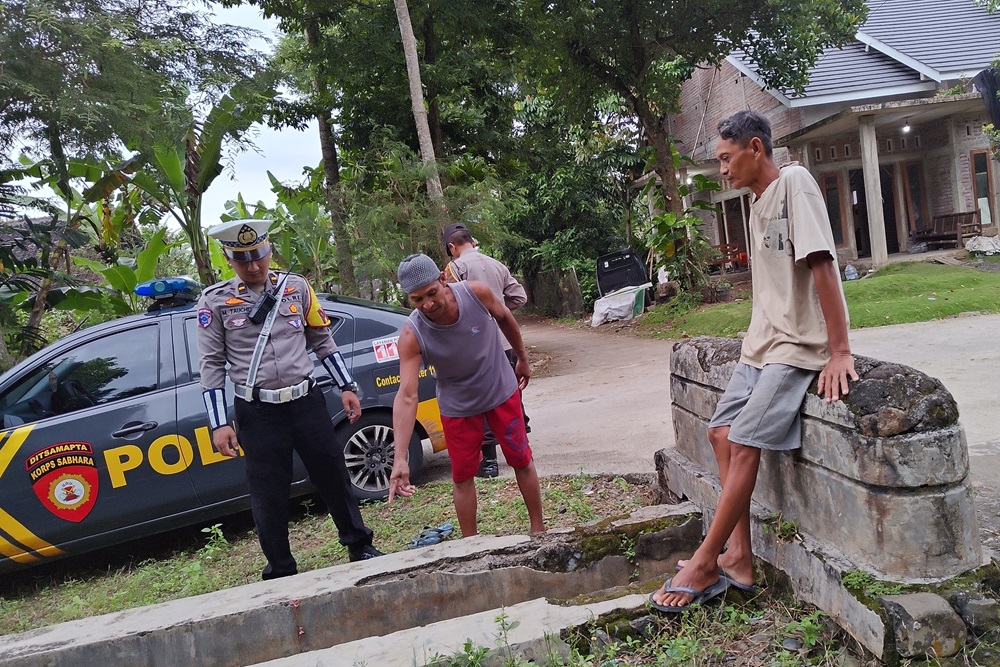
x,y
885,422
980,613
924,624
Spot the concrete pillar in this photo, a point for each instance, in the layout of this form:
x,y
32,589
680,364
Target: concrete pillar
x,y
873,190
902,220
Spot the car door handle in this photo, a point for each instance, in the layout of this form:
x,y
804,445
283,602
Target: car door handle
x,y
133,427
324,381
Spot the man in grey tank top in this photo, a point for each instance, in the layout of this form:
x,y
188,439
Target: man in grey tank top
x,y
456,329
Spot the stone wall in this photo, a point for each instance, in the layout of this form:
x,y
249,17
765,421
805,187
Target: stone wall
x,y
882,476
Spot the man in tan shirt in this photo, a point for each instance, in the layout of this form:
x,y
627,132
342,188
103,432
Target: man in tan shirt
x,y
798,329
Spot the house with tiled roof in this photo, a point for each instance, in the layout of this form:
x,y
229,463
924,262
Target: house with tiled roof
x,y
891,126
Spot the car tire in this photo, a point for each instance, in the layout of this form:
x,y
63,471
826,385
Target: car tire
x,y
369,453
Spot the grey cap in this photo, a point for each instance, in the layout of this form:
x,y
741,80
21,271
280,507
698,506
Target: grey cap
x,y
416,271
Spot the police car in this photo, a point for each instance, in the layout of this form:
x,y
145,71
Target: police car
x,y
105,436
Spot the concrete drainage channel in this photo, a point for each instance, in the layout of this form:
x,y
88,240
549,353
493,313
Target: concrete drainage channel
x,y
402,609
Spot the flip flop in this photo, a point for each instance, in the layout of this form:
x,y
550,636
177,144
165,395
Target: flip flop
x,y
430,535
743,588
701,596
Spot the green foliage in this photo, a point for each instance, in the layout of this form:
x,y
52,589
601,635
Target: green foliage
x,y
679,240
993,134
862,583
122,276
781,529
85,78
177,170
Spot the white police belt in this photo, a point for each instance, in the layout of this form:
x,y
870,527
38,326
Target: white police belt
x,y
283,395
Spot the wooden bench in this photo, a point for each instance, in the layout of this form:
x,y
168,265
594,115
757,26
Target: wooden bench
x,y
729,254
950,229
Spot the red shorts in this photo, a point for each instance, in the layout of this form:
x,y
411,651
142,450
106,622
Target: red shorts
x,y
464,436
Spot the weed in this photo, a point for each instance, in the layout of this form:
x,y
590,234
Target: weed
x,y
862,583
808,630
217,542
307,505
781,529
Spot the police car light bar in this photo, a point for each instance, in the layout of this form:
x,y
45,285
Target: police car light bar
x,y
180,287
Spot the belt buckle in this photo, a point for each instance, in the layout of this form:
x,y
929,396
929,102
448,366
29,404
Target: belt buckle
x,y
285,394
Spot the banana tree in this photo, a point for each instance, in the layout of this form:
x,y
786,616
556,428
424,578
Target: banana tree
x,y
176,176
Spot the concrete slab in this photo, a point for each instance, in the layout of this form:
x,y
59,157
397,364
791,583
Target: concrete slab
x,y
539,624
250,623
316,610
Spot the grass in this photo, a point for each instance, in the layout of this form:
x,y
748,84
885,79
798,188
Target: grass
x,y
194,561
761,632
896,294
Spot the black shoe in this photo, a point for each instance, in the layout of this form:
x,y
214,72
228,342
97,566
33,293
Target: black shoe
x,y
488,468
366,552
269,573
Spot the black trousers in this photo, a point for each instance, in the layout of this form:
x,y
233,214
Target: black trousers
x,y
268,433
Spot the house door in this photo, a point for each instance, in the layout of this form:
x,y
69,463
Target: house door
x,y
859,202
982,185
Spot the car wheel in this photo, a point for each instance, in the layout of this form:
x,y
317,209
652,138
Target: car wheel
x,y
369,454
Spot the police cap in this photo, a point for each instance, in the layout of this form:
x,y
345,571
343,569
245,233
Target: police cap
x,y
243,240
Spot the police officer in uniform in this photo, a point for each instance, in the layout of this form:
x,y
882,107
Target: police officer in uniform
x,y
278,405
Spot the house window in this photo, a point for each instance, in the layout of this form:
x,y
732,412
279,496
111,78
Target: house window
x,y
847,150
832,193
888,144
833,152
916,141
902,143
982,189
819,154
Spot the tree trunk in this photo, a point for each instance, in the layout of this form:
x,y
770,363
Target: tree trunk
x,y
664,165
331,173
192,217
419,112
433,110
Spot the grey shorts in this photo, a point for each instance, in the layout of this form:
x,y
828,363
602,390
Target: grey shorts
x,y
762,405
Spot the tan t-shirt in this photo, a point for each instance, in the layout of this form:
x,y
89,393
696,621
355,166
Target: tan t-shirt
x,y
788,222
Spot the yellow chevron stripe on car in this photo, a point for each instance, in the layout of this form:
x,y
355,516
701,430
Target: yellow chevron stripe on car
x,y
9,449
16,553
10,443
17,531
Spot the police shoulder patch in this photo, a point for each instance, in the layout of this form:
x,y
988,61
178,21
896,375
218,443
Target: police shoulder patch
x,y
204,318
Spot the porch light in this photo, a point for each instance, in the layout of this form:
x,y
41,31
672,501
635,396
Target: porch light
x,y
906,125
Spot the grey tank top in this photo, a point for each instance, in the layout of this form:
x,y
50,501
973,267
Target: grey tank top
x,y
472,371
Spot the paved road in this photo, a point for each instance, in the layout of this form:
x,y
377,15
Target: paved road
x,y
600,404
